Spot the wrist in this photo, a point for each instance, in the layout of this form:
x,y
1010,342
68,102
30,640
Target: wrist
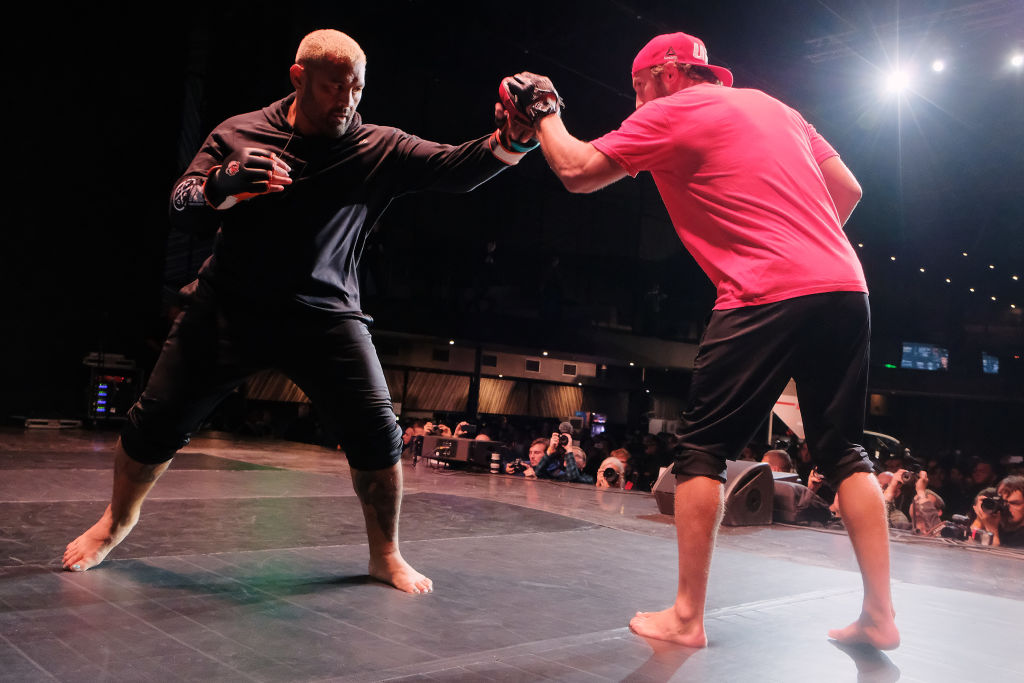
x,y
502,149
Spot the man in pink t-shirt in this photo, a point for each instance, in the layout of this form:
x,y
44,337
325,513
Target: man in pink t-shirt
x,y
759,199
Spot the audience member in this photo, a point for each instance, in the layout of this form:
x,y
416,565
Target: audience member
x,y
803,464
983,475
535,455
564,461
778,460
1010,532
436,429
613,473
892,490
926,507
984,515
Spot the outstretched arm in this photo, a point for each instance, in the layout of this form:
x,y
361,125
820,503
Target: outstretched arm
x,y
579,165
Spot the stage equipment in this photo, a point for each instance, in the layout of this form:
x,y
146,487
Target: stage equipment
x,y
749,492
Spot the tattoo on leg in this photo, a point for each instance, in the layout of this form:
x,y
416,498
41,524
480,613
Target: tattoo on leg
x,y
379,491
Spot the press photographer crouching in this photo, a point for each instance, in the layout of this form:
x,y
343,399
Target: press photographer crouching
x,y
564,460
528,468
615,471
1000,512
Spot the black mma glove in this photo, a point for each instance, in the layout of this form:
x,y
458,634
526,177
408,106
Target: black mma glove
x,y
529,97
246,173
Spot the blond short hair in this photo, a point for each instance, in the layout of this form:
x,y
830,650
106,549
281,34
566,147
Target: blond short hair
x,y
328,45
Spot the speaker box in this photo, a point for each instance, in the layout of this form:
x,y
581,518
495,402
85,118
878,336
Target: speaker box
x,y
749,493
470,451
446,448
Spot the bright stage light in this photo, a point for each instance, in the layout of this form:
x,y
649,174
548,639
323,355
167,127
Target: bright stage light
x,y
897,82
1017,60
938,66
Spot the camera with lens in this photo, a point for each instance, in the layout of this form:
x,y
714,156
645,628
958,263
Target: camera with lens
x,y
994,504
960,529
435,431
563,440
611,475
518,466
910,472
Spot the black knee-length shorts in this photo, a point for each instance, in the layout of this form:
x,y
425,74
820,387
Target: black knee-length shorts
x,y
748,355
212,349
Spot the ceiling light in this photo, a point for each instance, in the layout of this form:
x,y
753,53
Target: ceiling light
x,y
897,82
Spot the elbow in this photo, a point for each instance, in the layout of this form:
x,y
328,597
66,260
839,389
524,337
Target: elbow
x,y
577,183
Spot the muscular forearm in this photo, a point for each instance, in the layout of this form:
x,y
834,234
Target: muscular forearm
x,y
579,165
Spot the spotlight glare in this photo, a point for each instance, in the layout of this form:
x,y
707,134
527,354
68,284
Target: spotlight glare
x,y
1015,277
938,66
451,342
965,253
922,270
1017,60
948,280
892,258
972,290
991,267
896,82
993,298
860,244
543,353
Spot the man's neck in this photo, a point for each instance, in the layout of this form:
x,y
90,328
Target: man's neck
x,y
292,116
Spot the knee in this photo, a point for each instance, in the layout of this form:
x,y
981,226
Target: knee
x,y
377,449
149,439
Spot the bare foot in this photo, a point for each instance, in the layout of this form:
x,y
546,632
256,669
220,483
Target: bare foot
x,y
395,571
667,625
880,634
89,549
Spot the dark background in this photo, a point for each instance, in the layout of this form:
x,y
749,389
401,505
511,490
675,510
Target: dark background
x,y
107,107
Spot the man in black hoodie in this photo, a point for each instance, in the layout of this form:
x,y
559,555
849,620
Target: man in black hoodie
x,y
293,191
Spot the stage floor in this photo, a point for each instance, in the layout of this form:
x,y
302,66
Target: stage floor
x,y
249,564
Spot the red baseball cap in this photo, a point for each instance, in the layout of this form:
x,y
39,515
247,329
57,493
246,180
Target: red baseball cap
x,y
680,48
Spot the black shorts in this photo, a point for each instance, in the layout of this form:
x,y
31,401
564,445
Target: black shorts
x,y
211,350
748,355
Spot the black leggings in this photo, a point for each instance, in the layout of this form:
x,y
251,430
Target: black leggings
x,y
748,355
211,350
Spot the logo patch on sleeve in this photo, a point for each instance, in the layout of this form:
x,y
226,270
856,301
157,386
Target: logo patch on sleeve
x,y
189,192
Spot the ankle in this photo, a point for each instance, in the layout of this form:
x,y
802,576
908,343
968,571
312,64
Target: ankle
x,y
882,614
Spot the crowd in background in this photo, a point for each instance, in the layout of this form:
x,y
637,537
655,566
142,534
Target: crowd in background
x,y
952,495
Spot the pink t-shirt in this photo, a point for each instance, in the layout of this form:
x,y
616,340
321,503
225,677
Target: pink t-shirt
x,y
739,174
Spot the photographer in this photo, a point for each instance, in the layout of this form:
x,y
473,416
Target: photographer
x,y
926,508
1002,514
892,491
538,449
437,429
615,470
465,430
564,460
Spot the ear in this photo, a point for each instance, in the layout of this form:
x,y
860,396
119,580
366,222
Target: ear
x,y
297,75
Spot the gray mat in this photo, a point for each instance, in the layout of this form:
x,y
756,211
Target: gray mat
x,y
36,533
